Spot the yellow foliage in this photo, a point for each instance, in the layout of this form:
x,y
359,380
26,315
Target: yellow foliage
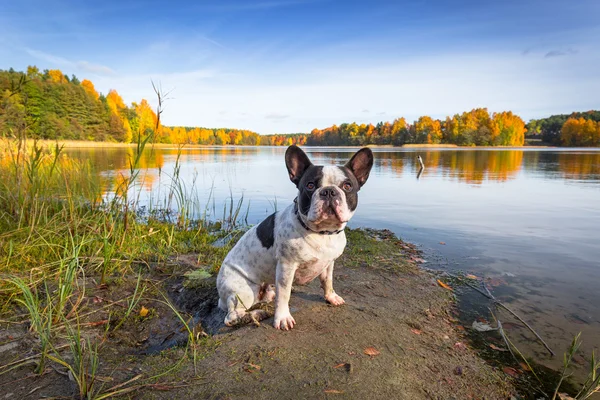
x,y
580,132
89,88
57,76
114,101
146,118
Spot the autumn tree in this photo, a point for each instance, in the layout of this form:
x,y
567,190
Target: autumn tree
x,y
510,129
57,76
428,130
580,132
89,88
117,107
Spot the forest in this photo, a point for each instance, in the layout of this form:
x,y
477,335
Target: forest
x,y
50,105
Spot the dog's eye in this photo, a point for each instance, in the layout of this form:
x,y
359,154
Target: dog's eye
x,y
347,186
310,186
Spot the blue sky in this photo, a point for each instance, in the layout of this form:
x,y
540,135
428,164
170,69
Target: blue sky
x,y
294,65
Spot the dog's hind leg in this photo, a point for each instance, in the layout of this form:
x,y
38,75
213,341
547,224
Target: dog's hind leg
x,y
239,301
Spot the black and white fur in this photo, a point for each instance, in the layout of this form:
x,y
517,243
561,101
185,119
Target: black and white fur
x,y
297,244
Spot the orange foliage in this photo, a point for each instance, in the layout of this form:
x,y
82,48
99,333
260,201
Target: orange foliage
x,y
146,119
89,88
428,130
114,101
580,132
57,76
117,106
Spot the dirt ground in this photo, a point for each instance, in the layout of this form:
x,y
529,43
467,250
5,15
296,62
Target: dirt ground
x,y
395,338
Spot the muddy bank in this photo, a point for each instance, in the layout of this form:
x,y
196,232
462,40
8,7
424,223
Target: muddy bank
x,y
396,337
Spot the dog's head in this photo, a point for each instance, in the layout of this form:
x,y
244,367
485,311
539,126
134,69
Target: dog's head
x,y
327,195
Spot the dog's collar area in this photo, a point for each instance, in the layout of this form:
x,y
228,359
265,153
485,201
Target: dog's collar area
x,y
306,226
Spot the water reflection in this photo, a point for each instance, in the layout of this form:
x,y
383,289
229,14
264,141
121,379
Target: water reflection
x,y
473,167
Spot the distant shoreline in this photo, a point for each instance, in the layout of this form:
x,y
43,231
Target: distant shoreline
x,y
73,144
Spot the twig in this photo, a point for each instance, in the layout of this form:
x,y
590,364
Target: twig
x,y
510,346
501,330
499,303
28,358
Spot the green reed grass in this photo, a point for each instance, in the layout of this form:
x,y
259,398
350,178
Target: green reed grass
x,y
84,361
591,385
61,232
132,302
40,317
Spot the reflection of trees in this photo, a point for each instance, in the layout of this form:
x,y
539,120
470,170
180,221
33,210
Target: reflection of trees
x,y
117,161
395,165
579,165
475,167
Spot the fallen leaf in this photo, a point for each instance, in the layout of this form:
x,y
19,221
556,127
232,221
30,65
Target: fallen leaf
x,y
564,396
525,366
579,360
496,281
251,367
340,365
494,347
98,323
143,311
416,331
471,276
442,284
158,386
510,325
510,371
460,346
333,391
372,351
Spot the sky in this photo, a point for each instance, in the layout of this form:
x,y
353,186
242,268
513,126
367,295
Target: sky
x,y
286,66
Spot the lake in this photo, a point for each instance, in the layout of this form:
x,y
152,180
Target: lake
x,y
529,219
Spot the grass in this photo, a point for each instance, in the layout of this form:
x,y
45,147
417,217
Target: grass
x,y
591,384
62,237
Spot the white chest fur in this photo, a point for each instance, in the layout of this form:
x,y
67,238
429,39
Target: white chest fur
x,y
318,252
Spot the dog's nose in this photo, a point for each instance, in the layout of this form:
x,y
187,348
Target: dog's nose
x,y
328,193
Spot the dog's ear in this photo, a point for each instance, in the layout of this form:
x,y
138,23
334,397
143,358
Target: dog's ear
x,y
360,164
297,163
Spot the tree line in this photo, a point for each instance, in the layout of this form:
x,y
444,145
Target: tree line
x,y
50,105
575,129
473,128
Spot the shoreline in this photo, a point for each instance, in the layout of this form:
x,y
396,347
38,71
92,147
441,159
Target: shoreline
x,y
83,144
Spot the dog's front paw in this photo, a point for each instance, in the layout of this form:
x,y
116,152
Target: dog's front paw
x,y
334,299
284,321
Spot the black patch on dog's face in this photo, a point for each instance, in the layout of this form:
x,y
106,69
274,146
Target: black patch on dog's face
x,y
266,231
351,195
314,175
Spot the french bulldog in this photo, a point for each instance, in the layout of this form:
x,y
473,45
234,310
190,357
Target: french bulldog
x,y
295,245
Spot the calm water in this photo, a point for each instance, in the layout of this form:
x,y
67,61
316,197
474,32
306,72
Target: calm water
x,y
529,219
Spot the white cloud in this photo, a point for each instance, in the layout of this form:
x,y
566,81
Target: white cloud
x,y
62,62
94,68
